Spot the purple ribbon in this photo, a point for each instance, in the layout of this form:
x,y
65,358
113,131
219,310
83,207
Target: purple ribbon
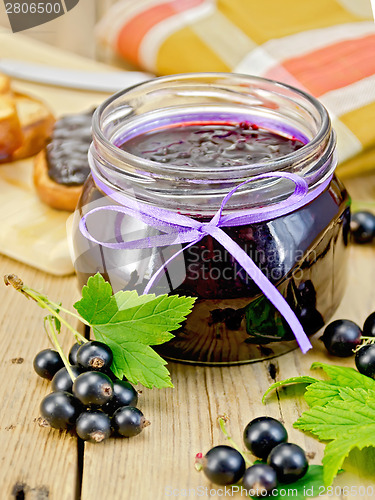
x,y
179,229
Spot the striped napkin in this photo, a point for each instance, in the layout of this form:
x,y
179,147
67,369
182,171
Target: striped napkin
x,y
325,47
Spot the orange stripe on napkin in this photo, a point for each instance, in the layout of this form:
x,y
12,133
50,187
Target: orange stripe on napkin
x,y
335,66
132,33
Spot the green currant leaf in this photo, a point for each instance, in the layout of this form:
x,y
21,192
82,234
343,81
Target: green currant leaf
x,y
97,303
289,381
130,298
148,323
345,377
321,392
349,423
137,362
342,411
340,415
129,324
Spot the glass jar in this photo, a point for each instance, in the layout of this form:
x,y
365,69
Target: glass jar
x,y
302,253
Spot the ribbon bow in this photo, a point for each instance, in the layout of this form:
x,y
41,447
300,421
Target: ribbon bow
x,y
180,229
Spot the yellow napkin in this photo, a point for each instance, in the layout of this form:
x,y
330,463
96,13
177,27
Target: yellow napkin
x,y
325,47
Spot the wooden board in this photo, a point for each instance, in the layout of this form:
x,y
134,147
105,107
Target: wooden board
x,y
41,463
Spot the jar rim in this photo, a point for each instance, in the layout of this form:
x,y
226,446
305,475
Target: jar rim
x,y
122,156
274,106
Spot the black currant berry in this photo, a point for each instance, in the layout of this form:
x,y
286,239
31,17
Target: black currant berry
x,y
289,461
223,465
340,337
93,426
369,326
262,434
60,409
307,294
73,353
62,381
129,421
362,226
93,388
365,360
124,394
95,355
47,363
259,480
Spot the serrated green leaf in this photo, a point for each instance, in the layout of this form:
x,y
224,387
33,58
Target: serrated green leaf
x,y
349,422
97,303
138,363
342,411
336,451
129,324
321,392
358,395
149,323
340,415
345,377
289,381
130,298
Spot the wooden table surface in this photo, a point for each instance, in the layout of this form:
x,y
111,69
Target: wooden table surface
x,y
41,463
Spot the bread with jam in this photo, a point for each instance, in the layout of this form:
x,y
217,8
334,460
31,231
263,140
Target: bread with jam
x,y
61,168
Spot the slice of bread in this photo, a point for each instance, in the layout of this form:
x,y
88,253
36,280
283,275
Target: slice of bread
x,y
36,122
53,194
11,135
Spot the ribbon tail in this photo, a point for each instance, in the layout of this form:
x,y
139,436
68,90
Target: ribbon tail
x,y
157,275
269,290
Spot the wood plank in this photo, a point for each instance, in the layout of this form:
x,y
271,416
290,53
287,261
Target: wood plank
x,y
41,462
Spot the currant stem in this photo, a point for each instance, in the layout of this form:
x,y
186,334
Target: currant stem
x,y
366,341
58,306
48,332
222,421
52,332
35,296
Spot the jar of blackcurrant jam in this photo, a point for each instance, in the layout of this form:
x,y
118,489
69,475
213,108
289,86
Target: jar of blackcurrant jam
x,y
180,144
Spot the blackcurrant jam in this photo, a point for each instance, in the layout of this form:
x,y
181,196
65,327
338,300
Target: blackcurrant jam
x,y
211,145
184,154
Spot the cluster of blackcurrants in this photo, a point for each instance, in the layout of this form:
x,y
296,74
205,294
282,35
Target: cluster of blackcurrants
x,y
266,438
93,401
343,338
